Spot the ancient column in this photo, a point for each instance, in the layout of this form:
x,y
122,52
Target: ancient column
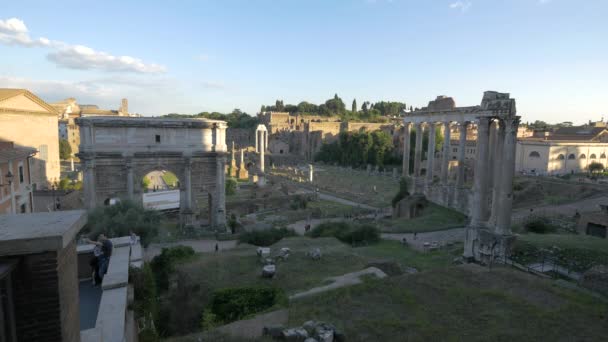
x,y
256,139
406,149
462,145
262,149
445,162
220,214
497,170
430,155
310,173
89,183
130,187
417,156
265,139
480,194
505,200
188,183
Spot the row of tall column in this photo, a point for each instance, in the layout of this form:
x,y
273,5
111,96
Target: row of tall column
x,y
493,171
444,174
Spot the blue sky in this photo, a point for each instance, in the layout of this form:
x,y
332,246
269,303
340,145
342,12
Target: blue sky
x,y
191,56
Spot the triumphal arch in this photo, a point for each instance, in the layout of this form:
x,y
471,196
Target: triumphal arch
x,y
118,152
487,198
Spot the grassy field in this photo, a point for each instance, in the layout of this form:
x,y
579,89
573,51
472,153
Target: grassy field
x,y
314,209
566,241
458,304
197,279
377,191
443,302
532,191
433,218
170,178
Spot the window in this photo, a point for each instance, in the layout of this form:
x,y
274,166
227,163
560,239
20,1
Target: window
x,y
23,208
582,156
603,156
21,176
534,154
571,156
158,139
592,156
44,152
455,150
561,157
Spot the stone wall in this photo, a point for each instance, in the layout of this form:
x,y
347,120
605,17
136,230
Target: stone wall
x,y
242,137
46,296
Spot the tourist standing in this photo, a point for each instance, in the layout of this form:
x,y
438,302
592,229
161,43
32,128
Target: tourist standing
x,y
104,258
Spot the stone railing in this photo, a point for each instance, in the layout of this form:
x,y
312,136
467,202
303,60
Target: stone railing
x,y
115,323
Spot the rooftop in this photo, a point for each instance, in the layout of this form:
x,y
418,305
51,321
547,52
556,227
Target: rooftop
x,y
39,232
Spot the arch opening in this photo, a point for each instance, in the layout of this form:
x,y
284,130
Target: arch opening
x,y
534,154
160,190
561,157
571,156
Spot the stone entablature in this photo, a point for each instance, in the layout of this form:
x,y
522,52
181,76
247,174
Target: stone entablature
x,y
118,152
491,201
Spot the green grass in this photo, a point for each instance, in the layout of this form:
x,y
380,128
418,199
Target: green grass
x,y
314,209
566,241
356,186
170,178
433,218
457,304
240,267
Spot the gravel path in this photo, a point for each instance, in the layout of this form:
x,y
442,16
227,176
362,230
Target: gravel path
x,y
347,279
442,236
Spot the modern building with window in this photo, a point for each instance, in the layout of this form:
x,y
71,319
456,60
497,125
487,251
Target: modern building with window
x,y
567,150
15,179
30,122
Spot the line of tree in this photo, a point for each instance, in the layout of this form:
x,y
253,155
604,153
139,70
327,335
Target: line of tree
x,y
358,149
542,125
370,112
235,119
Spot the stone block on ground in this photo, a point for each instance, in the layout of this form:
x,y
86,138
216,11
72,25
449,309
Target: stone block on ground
x,y
269,271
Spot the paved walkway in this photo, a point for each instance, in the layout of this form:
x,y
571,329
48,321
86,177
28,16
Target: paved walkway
x,y
347,279
200,246
441,237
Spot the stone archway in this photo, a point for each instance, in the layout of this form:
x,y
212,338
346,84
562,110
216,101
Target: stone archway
x,y
117,152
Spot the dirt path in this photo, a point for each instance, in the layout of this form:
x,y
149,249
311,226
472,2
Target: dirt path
x,y
441,236
200,246
347,279
568,209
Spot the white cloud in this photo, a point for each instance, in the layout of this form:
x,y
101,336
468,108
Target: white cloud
x,y
13,31
463,6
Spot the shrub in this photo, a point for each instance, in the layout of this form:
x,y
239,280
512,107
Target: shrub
x,y
163,265
65,150
230,305
146,304
230,186
265,237
539,225
298,202
404,184
68,184
354,234
122,218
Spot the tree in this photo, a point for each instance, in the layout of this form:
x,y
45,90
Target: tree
x,y
279,107
65,150
364,107
230,186
122,218
596,167
354,106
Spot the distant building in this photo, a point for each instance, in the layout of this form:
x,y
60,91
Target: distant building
x,y
69,110
28,121
566,150
15,178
